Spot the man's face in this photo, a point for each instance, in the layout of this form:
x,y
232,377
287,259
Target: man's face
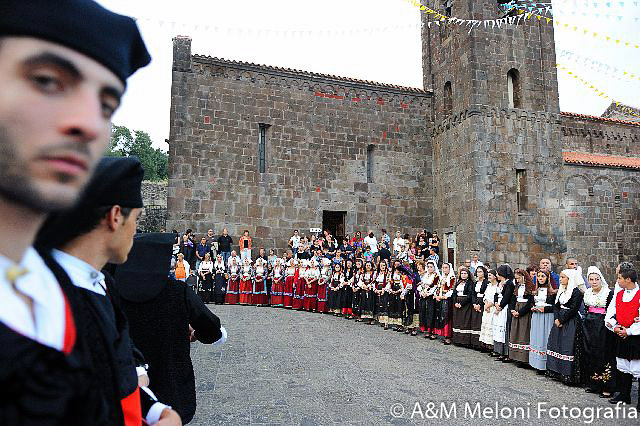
x,y
225,232
475,257
203,241
55,121
572,264
467,263
545,265
122,238
210,232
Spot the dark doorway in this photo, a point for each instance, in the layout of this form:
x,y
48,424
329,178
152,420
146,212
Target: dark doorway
x,y
334,222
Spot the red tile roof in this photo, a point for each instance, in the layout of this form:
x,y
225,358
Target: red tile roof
x,y
600,160
313,74
596,118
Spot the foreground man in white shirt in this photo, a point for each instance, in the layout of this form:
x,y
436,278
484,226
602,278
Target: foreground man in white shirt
x,y
621,319
58,91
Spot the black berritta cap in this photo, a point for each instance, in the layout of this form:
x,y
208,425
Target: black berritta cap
x,y
116,181
82,25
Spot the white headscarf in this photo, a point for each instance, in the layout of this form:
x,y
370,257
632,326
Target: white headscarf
x,y
596,270
447,279
435,267
564,293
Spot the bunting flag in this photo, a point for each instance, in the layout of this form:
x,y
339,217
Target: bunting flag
x,y
607,69
618,41
590,86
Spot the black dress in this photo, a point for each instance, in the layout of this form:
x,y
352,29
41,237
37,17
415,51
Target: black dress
x,y
346,295
367,297
381,314
598,345
565,343
394,302
220,284
356,291
461,324
334,293
507,303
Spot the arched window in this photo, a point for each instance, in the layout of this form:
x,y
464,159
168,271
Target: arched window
x,y
448,98
514,88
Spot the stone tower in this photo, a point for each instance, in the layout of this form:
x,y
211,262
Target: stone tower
x,y
497,151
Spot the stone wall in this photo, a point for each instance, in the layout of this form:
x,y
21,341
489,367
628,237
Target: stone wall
x,y
154,215
320,129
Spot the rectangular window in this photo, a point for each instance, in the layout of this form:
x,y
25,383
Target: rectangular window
x,y
370,163
521,189
262,148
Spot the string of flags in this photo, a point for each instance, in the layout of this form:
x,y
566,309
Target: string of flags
x,y
610,70
599,92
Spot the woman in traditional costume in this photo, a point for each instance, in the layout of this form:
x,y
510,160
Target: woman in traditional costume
x,y
289,280
427,288
233,285
206,277
411,317
381,279
542,317
504,305
599,344
219,280
355,289
462,307
246,282
478,305
260,282
444,303
277,283
520,334
346,293
323,284
393,298
333,299
565,342
311,288
367,296
488,312
299,285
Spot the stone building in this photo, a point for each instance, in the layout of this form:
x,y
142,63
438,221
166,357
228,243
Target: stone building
x,y
482,154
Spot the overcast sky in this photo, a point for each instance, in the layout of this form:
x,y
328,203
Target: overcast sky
x,y
375,40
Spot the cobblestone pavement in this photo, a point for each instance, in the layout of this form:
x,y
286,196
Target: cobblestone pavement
x,y
287,367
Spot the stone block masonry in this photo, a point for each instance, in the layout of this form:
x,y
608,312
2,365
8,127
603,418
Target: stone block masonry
x,y
330,144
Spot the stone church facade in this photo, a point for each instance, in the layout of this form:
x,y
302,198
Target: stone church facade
x,y
482,154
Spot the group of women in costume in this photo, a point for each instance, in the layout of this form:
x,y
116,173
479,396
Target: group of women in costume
x,y
514,316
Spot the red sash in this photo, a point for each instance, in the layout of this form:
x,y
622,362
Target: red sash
x,y
131,409
69,328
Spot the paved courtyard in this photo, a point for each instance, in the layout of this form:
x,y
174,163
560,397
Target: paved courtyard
x,y
289,367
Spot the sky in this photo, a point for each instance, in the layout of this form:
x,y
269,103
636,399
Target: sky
x,y
375,40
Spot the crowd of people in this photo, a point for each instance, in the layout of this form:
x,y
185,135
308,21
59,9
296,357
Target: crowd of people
x,y
567,326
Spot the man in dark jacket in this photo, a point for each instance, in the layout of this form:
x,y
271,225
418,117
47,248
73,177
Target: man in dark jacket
x,y
161,313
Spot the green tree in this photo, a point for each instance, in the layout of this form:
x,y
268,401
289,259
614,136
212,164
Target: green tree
x,y
125,143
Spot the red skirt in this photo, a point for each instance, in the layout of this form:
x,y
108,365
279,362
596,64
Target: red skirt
x,y
311,295
287,292
233,289
246,290
322,297
260,292
298,293
445,331
277,288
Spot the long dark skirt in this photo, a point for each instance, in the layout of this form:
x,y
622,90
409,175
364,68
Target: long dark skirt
x,y
428,314
444,313
220,289
395,309
411,317
206,287
461,324
367,304
382,313
519,336
476,327
333,300
346,299
563,352
355,303
599,353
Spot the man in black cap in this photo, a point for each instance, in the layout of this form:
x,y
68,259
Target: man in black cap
x,y
63,68
161,311
97,231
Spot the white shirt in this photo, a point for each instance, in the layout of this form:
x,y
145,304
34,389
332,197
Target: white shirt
x,y
372,243
48,301
295,241
398,243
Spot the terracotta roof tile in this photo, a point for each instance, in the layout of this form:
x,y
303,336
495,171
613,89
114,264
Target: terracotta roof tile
x,y
314,74
600,160
596,118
